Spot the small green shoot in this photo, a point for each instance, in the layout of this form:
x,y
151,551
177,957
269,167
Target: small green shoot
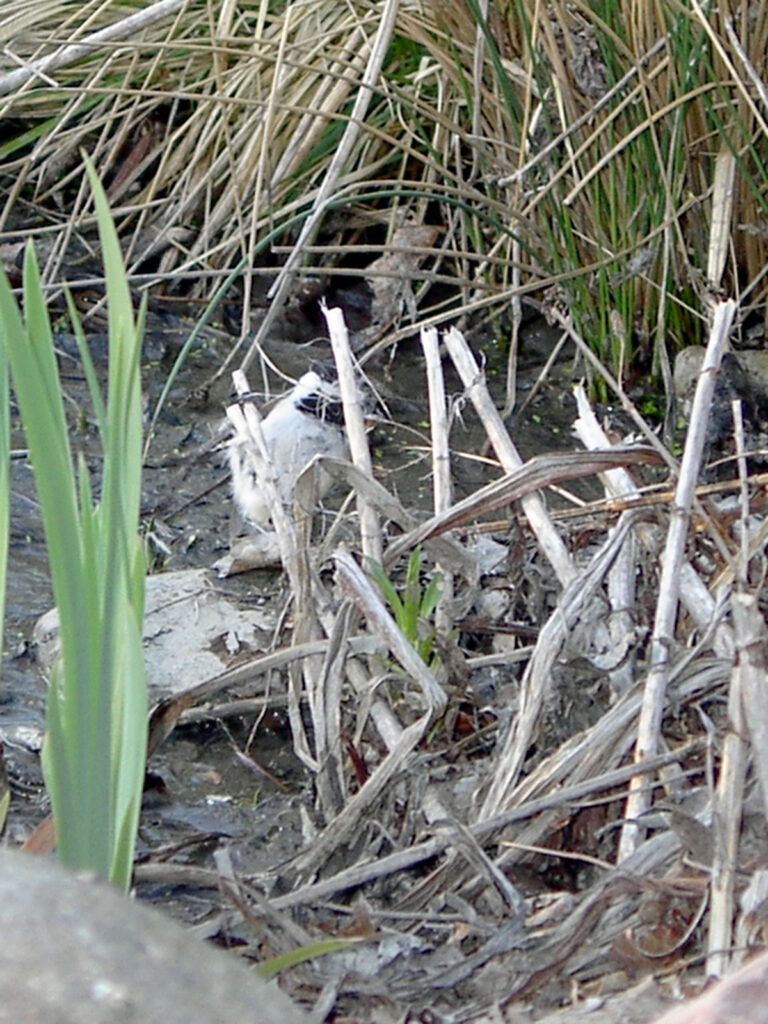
x,y
270,968
413,607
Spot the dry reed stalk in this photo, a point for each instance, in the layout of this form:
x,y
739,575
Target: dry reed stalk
x,y
417,853
324,691
442,488
247,424
125,28
169,710
622,633
727,811
698,600
473,380
565,321
537,473
442,492
322,678
666,611
389,727
621,579
694,595
722,211
574,603
751,639
351,818
729,794
370,530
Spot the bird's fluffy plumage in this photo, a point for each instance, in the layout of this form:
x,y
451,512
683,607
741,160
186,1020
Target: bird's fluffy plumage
x,y
307,421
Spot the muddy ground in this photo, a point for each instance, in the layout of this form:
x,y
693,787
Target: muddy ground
x,y
226,792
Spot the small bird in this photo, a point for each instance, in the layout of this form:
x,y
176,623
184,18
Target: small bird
x,y
307,421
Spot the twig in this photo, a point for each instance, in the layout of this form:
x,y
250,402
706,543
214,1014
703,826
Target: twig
x,y
128,28
666,610
442,489
473,380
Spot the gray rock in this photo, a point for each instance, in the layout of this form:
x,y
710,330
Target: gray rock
x,y
742,376
74,951
192,631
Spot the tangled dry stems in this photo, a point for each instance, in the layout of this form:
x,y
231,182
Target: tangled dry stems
x,y
214,130
508,837
558,153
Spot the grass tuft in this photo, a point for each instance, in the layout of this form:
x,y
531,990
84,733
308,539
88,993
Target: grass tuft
x,y
94,752
566,152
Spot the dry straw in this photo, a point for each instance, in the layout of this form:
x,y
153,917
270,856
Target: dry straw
x,y
567,147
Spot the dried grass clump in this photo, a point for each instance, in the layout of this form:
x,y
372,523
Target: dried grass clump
x,y
208,126
564,150
639,102
586,820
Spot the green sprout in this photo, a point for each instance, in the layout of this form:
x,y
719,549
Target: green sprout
x,y
412,607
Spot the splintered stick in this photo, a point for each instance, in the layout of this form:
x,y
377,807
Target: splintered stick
x,y
370,532
473,379
442,486
649,726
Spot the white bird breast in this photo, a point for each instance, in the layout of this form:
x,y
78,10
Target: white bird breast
x,y
292,437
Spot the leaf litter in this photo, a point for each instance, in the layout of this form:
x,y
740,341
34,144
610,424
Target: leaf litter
x,y
463,836
458,830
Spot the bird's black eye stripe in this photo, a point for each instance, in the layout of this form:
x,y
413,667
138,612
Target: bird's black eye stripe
x,y
322,408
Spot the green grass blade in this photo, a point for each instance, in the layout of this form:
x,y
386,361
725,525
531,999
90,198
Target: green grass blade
x,y
430,597
85,357
93,756
303,954
75,786
122,655
384,583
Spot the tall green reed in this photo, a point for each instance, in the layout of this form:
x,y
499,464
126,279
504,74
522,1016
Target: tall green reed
x,y
611,161
95,746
